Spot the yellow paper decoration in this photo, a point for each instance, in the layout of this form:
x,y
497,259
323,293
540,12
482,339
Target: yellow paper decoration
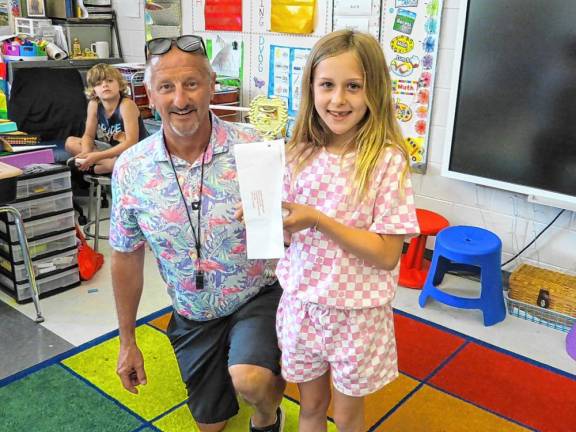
x,y
269,116
293,16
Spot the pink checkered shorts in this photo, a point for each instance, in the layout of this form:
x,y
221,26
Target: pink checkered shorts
x,y
356,345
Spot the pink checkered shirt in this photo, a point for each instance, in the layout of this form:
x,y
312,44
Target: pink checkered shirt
x,y
315,268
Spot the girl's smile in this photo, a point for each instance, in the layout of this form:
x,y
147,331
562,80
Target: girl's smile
x,y
339,96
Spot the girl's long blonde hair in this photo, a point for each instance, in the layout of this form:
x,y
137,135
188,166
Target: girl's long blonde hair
x,y
376,131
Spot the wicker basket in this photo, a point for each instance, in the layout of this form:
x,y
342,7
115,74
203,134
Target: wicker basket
x,y
527,282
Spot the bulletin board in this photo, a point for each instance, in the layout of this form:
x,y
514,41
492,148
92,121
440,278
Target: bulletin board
x,y
242,45
410,33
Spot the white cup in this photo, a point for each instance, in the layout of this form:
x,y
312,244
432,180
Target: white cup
x,y
101,48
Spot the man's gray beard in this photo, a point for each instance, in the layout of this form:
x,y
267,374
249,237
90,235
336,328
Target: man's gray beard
x,y
187,134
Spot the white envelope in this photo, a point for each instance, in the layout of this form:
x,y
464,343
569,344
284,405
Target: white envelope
x,y
353,7
260,168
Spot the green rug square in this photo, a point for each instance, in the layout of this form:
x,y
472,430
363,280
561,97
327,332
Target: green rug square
x,y
54,400
181,419
165,388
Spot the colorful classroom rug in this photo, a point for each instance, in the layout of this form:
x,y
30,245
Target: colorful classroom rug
x,y
448,383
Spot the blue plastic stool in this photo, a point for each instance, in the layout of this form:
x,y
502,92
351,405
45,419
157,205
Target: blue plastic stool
x,y
472,249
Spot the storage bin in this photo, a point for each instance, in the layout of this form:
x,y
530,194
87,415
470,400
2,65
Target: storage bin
x,y
547,289
39,248
12,50
44,206
55,262
55,282
35,185
27,50
8,189
40,227
31,26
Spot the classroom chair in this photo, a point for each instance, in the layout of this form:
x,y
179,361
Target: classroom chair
x,y
472,249
413,266
98,184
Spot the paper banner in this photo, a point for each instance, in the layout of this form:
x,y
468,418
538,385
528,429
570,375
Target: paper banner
x,y
223,15
293,16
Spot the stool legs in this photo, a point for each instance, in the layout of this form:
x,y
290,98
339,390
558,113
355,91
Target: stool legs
x,y
415,252
491,300
428,285
97,193
413,266
492,296
90,200
27,260
97,224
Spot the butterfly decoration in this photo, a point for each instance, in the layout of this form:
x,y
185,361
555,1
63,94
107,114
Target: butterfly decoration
x,y
258,82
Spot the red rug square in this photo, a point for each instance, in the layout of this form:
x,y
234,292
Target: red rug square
x,y
422,347
500,382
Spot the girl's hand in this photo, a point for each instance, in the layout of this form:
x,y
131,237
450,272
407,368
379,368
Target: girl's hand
x,y
300,217
89,159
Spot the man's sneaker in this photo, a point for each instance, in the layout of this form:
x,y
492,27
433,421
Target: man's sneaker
x,y
276,427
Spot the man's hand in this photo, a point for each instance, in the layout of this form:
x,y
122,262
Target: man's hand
x,y
131,367
239,212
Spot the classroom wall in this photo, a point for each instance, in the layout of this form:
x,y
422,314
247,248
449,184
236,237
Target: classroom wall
x,y
509,215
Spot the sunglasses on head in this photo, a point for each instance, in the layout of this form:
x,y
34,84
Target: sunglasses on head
x,y
186,43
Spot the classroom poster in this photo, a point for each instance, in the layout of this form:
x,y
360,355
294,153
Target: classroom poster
x,y
285,80
359,15
226,54
410,36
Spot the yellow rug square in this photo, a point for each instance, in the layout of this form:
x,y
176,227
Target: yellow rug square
x,y
430,410
165,388
379,403
181,419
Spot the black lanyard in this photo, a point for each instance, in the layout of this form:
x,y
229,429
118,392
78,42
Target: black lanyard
x,y
197,205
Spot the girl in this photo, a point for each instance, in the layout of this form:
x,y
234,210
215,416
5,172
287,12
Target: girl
x,y
350,204
113,119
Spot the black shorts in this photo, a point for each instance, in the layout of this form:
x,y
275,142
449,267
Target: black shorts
x,y
205,350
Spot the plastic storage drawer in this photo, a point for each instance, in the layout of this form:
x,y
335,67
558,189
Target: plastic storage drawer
x,y
40,227
40,248
43,206
40,185
65,279
42,266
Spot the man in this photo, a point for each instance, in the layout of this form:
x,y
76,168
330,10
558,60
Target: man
x,y
177,191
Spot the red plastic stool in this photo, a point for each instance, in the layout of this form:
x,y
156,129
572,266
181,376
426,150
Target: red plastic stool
x,y
413,265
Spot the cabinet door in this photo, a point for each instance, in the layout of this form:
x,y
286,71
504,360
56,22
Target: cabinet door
x,y
162,18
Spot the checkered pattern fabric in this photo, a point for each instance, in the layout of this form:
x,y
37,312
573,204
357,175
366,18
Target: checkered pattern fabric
x,y
357,345
315,268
